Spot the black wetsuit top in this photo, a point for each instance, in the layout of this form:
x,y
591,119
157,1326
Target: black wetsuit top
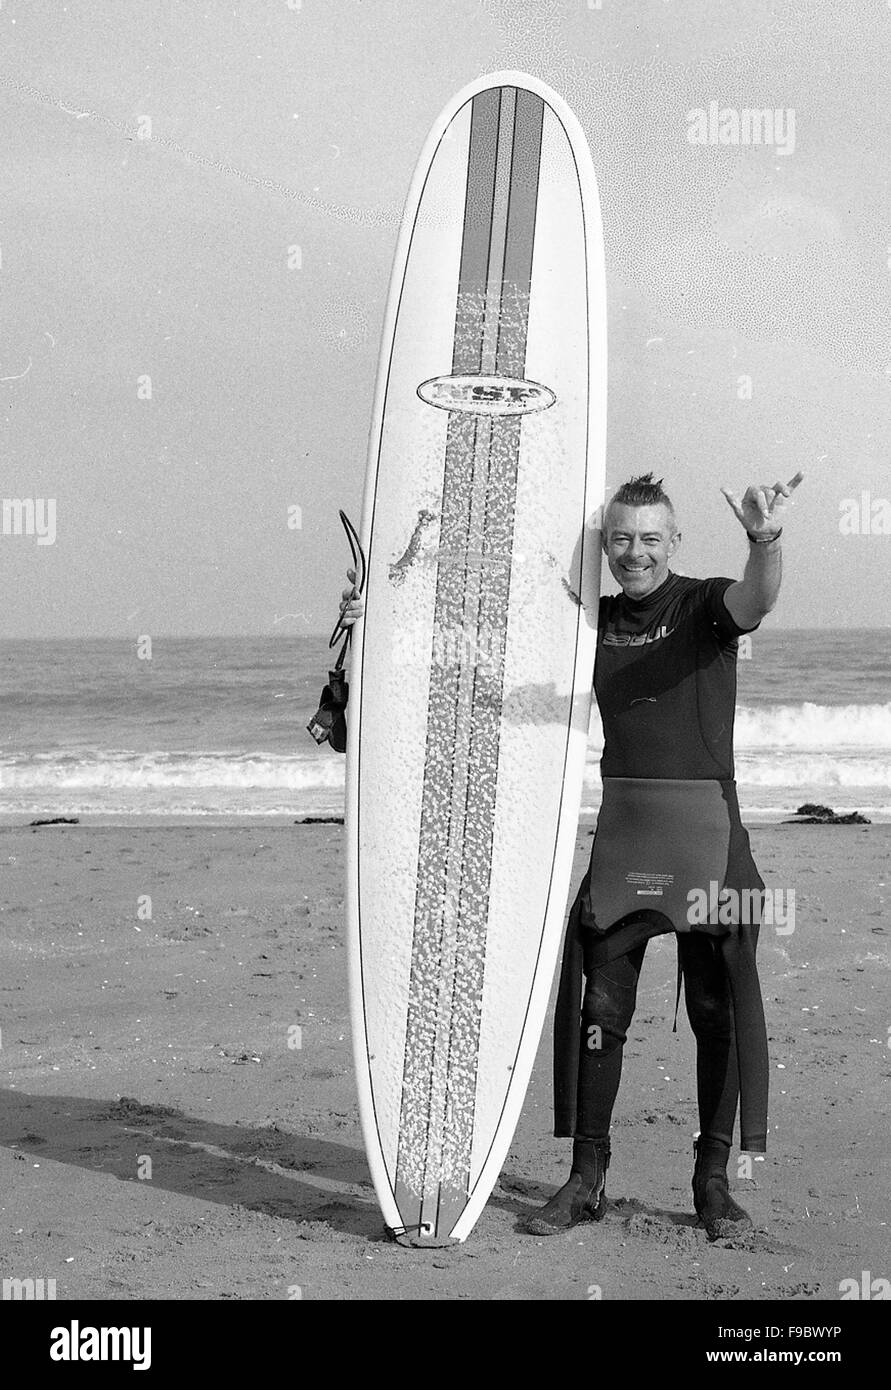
x,y
665,681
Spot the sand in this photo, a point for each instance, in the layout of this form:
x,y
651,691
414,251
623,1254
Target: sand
x,y
169,1041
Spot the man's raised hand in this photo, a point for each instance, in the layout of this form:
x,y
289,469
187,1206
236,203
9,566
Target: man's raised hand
x,y
762,509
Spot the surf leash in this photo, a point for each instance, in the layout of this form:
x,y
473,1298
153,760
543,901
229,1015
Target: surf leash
x,y
328,724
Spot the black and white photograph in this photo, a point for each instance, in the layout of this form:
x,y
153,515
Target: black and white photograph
x,y
445,662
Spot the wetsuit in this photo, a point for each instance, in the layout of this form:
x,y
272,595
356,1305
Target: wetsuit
x,y
669,839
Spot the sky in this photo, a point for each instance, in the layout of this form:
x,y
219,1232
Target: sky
x,y
180,379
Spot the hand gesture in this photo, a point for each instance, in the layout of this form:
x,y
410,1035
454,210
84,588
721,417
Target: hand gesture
x,y
762,510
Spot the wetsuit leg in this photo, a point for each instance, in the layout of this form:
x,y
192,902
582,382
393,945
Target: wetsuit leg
x,y
710,1011
607,1010
738,950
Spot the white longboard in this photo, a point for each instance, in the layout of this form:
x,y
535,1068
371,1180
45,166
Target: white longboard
x,y
471,670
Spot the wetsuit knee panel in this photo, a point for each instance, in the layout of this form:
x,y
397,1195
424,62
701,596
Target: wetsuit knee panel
x,y
607,1007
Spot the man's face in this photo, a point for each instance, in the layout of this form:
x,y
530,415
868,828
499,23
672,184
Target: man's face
x,y
638,543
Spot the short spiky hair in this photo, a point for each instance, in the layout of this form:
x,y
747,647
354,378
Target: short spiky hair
x,y
644,491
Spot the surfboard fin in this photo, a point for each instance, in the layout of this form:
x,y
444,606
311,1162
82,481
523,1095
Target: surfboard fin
x,y
421,1237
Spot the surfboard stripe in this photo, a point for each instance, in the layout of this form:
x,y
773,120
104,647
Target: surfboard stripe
x,y
510,313
433,926
517,274
465,700
498,235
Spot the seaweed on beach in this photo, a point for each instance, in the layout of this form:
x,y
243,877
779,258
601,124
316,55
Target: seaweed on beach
x,y
813,814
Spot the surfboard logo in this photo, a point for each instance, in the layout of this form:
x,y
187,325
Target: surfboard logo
x,y
486,395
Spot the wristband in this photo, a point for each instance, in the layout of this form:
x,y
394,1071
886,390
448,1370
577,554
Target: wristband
x,y
764,540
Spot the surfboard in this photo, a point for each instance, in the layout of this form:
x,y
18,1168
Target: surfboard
x,y
472,666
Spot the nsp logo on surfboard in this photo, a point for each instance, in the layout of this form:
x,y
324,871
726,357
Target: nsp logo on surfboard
x,y
486,395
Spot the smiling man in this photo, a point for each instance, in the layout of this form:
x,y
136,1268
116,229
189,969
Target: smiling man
x,y
669,828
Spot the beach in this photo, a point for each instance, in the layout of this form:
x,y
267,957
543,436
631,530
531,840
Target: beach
x,y
179,1117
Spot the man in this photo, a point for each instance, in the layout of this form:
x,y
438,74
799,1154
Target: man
x,y
669,833
668,830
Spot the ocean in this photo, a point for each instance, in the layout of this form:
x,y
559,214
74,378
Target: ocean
x,y
216,728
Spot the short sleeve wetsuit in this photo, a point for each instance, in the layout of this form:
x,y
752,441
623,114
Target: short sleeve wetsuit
x,y
665,681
